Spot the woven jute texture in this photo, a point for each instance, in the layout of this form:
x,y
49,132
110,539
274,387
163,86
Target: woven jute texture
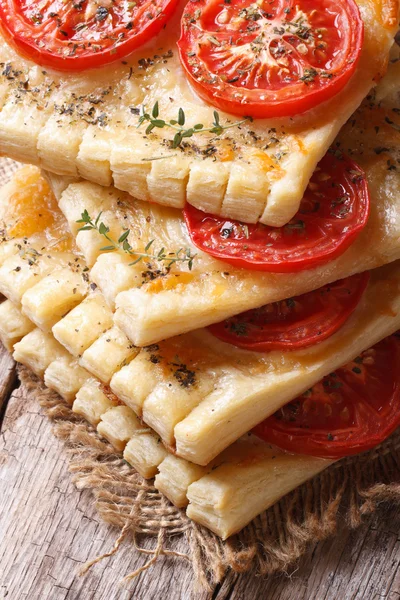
x,y
273,542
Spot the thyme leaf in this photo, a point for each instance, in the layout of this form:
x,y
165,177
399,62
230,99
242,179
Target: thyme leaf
x,y
153,121
183,255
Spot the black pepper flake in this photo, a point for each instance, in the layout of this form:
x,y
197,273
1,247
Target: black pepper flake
x,y
309,75
37,17
240,329
290,303
155,359
185,376
226,231
152,348
380,149
101,14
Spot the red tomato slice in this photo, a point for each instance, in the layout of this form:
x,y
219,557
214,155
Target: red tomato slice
x,y
334,210
81,34
271,58
297,322
349,411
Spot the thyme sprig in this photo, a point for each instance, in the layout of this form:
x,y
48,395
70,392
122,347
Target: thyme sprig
x,y
183,255
177,124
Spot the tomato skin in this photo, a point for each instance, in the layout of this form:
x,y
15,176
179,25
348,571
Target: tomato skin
x,y
252,85
350,411
327,223
304,321
43,44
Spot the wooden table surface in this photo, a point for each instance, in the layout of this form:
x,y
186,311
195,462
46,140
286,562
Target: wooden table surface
x,y
48,529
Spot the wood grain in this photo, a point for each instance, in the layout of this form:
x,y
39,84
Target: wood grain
x,y
7,379
48,530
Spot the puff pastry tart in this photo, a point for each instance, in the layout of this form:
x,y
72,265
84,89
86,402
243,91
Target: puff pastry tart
x,y
62,371
298,70
224,495
157,299
198,393
251,474
250,469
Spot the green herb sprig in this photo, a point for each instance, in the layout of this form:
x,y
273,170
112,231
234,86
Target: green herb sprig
x,y
183,255
177,124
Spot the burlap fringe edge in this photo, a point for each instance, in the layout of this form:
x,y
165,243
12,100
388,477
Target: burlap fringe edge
x,y
272,543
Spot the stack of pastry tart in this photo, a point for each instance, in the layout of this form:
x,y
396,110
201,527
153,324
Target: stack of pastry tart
x,y
203,257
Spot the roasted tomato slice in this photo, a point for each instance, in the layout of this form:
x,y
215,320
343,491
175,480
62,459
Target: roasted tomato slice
x,y
334,210
270,58
349,411
297,322
72,36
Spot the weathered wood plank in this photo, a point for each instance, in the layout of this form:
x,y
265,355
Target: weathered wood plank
x,y
7,378
352,566
48,530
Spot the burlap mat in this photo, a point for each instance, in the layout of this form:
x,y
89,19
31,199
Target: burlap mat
x,y
271,543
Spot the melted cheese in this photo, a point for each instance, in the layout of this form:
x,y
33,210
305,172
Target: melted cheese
x,y
31,211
